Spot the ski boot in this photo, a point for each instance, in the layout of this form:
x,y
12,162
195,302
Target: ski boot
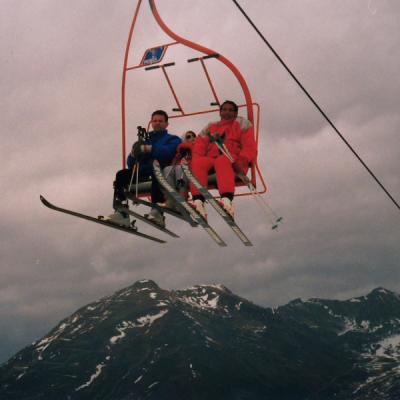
x,y
156,216
227,205
200,207
119,218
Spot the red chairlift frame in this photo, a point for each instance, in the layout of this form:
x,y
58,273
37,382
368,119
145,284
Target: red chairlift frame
x,y
249,104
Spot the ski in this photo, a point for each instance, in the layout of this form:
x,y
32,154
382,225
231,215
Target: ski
x,y
147,221
166,210
101,221
184,206
214,203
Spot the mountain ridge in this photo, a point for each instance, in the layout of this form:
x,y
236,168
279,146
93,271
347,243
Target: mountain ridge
x,y
145,342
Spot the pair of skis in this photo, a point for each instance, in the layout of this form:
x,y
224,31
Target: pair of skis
x,y
217,206
133,230
274,219
185,211
184,207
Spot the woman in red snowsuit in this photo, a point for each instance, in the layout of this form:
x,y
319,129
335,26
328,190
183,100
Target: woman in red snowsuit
x,y
238,137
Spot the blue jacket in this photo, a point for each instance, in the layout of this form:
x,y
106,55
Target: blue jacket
x,y
163,149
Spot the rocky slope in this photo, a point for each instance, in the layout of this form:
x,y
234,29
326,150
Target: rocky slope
x,y
205,342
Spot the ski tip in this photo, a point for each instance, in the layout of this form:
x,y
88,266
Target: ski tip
x,y
44,201
174,235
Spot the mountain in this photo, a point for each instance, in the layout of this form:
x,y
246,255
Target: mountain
x,y
205,342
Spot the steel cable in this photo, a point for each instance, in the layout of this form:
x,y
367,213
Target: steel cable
x,y
317,106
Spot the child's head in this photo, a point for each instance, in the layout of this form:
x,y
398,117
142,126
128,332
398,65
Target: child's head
x,y
189,136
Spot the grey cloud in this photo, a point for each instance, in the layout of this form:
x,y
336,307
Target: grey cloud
x,y
61,138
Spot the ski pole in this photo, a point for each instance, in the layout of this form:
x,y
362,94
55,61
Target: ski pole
x,y
133,173
260,200
137,179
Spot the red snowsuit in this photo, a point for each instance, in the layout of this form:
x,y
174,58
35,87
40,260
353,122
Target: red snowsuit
x,y
238,139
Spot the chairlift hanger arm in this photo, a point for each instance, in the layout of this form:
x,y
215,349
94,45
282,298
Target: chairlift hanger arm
x,y
208,52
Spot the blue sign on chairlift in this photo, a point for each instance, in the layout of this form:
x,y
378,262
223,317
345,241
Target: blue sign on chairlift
x,y
154,55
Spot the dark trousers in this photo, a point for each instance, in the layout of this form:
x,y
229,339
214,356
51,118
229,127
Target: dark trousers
x,y
123,179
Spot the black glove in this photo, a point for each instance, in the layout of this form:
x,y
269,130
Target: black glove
x,y
137,149
185,153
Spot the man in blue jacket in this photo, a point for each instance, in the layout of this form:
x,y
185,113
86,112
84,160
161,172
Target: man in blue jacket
x,y
160,146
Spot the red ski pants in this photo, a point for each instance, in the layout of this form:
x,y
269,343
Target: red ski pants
x,y
223,169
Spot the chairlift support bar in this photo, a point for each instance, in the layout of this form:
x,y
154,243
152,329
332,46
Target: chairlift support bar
x,y
216,55
172,90
209,81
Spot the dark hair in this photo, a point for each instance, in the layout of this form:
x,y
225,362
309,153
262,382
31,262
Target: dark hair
x,y
232,103
160,112
190,132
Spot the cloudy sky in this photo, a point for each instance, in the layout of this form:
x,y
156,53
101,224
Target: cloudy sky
x,y
60,105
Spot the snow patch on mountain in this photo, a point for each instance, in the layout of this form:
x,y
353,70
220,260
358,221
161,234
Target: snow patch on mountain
x,y
350,325
192,318
46,342
126,293
389,346
192,370
146,320
205,302
76,329
210,340
99,368
121,329
149,319
204,287
25,369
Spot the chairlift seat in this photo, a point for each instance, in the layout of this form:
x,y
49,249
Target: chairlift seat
x,y
144,188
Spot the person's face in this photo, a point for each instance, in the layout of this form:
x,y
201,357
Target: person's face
x,y
189,137
228,112
158,122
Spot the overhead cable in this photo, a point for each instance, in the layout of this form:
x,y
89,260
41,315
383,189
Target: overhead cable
x,y
317,106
